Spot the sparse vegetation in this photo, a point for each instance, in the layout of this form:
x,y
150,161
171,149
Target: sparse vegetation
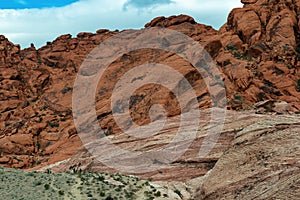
x,y
53,124
230,48
102,186
178,192
286,47
238,101
289,66
237,97
61,192
47,186
240,55
157,194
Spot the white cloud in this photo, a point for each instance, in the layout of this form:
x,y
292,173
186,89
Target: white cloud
x,y
145,3
41,25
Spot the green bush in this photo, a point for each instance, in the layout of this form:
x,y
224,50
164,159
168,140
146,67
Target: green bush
x,y
298,85
178,192
101,178
298,48
30,174
53,124
157,194
217,77
237,55
102,194
286,47
118,189
47,186
230,48
237,97
90,195
37,183
38,145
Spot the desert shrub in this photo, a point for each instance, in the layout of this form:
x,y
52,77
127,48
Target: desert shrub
x,y
129,195
298,85
90,195
118,189
30,174
47,186
217,77
63,119
102,194
178,192
230,48
109,198
53,124
157,194
237,97
101,178
37,183
237,55
38,144
206,67
286,47
246,57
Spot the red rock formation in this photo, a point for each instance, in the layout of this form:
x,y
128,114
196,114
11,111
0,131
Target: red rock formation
x,y
263,39
257,50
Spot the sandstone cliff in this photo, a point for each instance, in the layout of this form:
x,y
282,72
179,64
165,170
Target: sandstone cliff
x,y
257,51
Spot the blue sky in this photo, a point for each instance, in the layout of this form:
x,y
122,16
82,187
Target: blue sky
x,y
38,21
22,4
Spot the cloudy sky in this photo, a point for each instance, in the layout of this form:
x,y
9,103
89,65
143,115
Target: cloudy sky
x,y
39,21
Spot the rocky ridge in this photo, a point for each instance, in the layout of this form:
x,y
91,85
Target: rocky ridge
x,y
257,51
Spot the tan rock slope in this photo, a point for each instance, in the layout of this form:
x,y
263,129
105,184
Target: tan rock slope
x,y
256,157
257,51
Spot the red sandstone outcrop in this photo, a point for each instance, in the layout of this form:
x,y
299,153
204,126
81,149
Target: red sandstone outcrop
x,y
257,51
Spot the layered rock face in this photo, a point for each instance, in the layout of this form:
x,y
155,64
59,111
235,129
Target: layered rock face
x,y
256,156
262,163
257,51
